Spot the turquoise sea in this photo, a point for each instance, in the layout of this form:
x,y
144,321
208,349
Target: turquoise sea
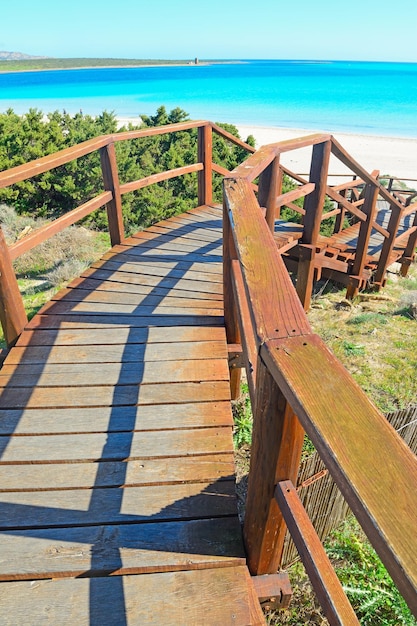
x,y
343,96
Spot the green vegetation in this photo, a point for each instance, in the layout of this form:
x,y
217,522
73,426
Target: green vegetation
x,y
374,337
27,137
19,65
29,204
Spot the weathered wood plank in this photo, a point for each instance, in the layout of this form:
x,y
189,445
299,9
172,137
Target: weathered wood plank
x,y
218,597
86,320
87,374
117,445
130,278
52,477
179,269
127,288
157,243
111,308
114,419
187,350
40,509
83,294
118,549
119,336
176,393
185,232
139,254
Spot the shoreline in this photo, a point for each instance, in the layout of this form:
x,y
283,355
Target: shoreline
x,y
395,156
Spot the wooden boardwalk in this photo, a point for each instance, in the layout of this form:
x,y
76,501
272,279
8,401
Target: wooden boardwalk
x,y
118,500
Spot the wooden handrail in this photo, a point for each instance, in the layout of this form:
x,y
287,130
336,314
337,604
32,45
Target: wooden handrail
x,y
111,197
297,375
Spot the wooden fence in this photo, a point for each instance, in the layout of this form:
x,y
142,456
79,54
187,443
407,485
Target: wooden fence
x,y
322,499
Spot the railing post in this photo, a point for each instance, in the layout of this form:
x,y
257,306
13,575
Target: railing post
x,y
409,250
205,156
111,183
365,229
12,311
230,313
270,183
277,441
313,207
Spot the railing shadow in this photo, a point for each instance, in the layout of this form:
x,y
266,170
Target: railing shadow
x,y
105,504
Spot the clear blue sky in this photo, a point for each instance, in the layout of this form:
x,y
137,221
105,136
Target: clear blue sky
x,y
180,29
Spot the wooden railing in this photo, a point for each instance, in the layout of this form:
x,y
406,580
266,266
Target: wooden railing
x,y
297,385
12,313
295,382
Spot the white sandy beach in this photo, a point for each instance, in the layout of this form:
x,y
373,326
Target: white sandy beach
x,y
396,156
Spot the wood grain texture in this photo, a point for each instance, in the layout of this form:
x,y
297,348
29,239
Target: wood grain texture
x,y
115,419
217,598
134,473
355,468
275,307
326,585
120,548
84,507
117,446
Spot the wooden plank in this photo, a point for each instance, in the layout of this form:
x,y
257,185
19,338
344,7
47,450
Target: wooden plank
x,y
131,279
111,182
52,477
87,374
117,445
191,271
189,597
326,585
184,235
119,336
210,263
187,350
119,549
177,393
86,320
114,419
112,297
69,308
172,242
187,231
76,507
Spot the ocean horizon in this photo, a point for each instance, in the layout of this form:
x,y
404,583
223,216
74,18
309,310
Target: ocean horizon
x,y
361,97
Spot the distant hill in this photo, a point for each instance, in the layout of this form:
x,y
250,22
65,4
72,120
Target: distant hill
x,y
17,56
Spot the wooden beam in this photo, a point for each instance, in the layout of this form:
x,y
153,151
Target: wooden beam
x,y
111,183
12,311
205,157
329,591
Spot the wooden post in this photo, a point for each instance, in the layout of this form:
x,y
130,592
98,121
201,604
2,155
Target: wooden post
x,y
12,311
365,229
268,191
409,250
205,156
111,183
277,442
313,206
230,313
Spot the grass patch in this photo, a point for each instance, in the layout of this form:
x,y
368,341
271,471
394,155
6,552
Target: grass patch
x,y
44,270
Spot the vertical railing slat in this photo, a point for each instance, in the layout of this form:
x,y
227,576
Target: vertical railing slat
x,y
12,311
205,156
111,183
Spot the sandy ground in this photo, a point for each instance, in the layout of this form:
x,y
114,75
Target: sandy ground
x,y
396,156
